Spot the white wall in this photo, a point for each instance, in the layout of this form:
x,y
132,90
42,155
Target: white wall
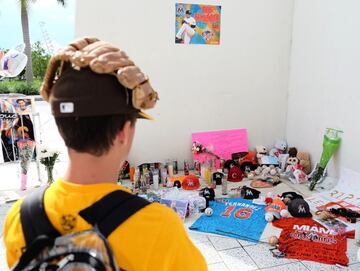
x,y
324,86
240,84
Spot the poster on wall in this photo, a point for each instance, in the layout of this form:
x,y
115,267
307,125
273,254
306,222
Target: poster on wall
x,y
19,127
197,24
218,144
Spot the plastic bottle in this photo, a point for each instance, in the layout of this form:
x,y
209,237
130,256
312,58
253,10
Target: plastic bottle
x,y
156,180
186,168
132,172
224,183
175,167
170,170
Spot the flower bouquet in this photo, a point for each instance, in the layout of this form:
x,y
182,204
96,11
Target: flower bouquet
x,y
48,157
26,150
198,148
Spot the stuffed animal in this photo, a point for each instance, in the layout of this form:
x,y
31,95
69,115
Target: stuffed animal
x,y
276,210
292,152
294,171
260,151
304,158
292,164
279,148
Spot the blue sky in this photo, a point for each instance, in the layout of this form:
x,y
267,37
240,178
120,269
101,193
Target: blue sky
x,y
59,22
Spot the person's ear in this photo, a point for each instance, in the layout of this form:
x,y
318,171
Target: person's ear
x,y
124,136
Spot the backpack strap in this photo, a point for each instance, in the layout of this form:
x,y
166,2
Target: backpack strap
x,y
34,220
112,210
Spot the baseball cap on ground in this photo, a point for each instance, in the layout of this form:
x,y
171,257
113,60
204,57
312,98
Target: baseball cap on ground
x,y
299,208
249,193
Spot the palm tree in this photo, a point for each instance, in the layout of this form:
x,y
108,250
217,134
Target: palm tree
x,y
26,35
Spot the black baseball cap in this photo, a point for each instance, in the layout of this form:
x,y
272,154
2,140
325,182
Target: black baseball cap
x,y
188,12
249,193
84,93
299,208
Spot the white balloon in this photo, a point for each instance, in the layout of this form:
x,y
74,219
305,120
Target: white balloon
x,y
12,63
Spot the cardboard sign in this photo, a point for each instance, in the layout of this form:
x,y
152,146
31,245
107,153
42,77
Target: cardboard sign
x,y
222,143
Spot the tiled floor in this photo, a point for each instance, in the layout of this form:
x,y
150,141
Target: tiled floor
x,y
228,254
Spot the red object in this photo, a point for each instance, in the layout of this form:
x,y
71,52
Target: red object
x,y
190,182
268,200
235,174
249,161
305,239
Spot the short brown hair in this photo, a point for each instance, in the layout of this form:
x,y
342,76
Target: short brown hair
x,y
94,135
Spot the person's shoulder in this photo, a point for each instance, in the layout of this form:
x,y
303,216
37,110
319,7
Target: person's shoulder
x,y
162,212
13,214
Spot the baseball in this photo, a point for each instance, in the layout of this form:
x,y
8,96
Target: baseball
x,y
209,211
273,240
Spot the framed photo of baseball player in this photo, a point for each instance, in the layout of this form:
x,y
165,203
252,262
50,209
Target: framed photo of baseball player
x,y
197,24
18,128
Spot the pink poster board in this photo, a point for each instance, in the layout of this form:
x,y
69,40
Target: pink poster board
x,y
223,143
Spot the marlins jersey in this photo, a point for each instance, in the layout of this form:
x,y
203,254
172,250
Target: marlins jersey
x,y
305,239
233,217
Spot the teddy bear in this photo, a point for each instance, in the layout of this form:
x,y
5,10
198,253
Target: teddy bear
x,y
279,148
276,210
260,151
304,158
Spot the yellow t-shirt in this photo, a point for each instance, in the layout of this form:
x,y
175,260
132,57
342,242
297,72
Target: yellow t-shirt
x,y
154,238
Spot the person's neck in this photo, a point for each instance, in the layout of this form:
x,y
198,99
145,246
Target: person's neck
x,y
84,168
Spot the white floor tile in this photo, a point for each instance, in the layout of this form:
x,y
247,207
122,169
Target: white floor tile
x,y
263,257
198,237
246,243
352,251
287,267
353,267
209,252
218,267
237,259
314,266
221,243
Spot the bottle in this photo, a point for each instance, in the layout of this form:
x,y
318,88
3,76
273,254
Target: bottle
x,y
156,180
224,183
136,179
186,168
213,182
208,176
175,167
132,171
222,164
163,175
170,170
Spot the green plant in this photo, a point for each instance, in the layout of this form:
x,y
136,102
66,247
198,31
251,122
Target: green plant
x,y
21,87
40,59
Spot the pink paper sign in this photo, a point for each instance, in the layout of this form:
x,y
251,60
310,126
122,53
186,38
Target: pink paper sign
x,y
222,143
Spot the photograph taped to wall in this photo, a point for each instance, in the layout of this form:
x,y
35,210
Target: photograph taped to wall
x,y
197,24
20,128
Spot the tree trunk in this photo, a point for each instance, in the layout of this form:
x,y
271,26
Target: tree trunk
x,y
26,37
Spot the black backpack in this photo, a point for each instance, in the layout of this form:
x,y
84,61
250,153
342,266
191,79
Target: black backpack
x,y
47,250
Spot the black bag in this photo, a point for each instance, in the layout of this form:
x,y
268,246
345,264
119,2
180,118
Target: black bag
x,y
89,250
